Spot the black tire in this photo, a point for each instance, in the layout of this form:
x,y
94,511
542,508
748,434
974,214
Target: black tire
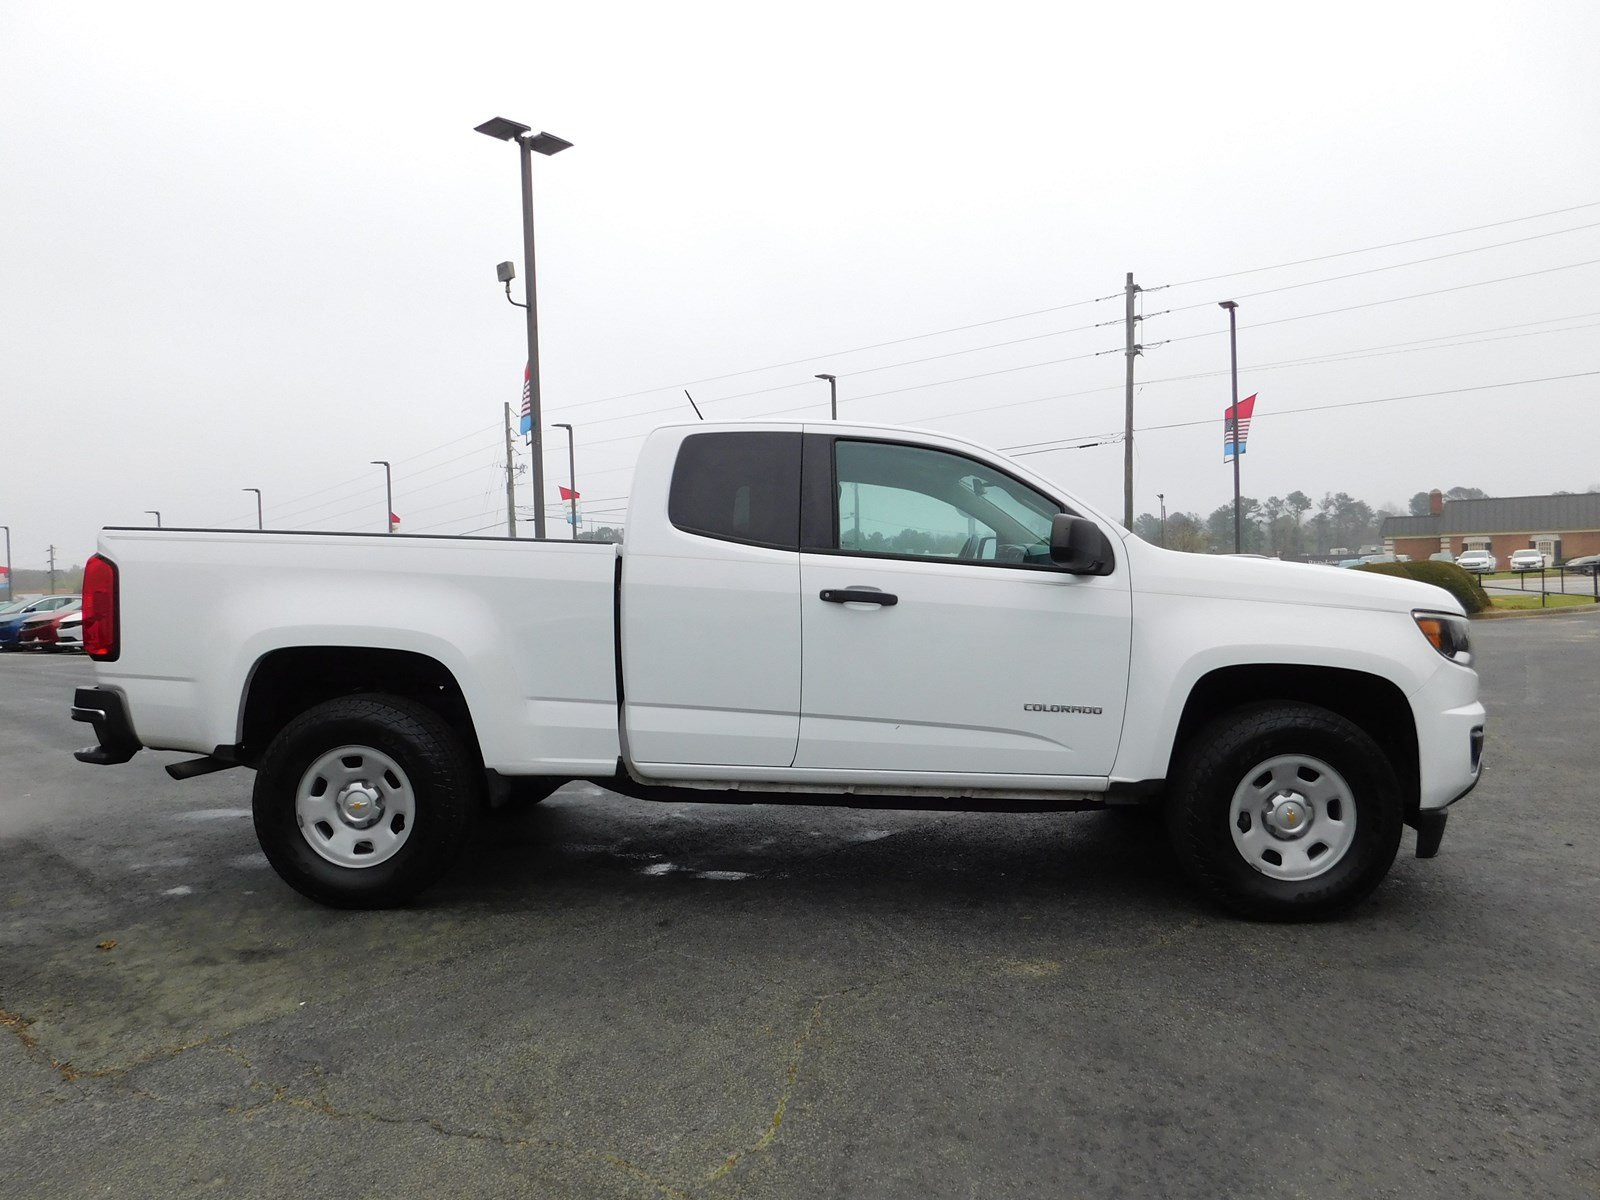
x,y
1223,758
437,780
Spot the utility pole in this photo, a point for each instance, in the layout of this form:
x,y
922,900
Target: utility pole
x,y
52,570
511,477
1127,429
11,585
1162,497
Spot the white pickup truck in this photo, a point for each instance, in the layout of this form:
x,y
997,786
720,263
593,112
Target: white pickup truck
x,y
806,614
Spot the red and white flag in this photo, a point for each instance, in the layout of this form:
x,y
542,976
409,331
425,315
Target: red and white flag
x,y
567,493
525,426
394,522
1247,409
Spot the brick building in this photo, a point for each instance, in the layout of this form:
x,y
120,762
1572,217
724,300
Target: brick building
x,y
1562,526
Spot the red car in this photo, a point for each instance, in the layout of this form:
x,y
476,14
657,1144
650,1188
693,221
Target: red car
x,y
60,629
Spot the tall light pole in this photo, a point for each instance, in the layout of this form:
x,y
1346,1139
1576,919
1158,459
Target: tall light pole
x,y
1161,497
388,492
545,143
833,396
572,476
156,513
1233,414
10,586
257,491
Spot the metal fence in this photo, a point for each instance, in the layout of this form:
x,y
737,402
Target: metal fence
x,y
1547,582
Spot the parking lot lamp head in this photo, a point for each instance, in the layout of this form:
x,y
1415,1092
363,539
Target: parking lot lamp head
x,y
156,513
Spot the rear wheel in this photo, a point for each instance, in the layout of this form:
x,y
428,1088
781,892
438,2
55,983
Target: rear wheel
x,y
1285,811
363,801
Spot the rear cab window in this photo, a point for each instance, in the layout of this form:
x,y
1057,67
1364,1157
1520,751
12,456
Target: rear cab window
x,y
738,487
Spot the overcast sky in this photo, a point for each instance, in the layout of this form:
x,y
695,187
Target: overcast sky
x,y
255,246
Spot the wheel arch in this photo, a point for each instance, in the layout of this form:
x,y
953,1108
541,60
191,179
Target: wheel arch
x,y
1372,703
284,683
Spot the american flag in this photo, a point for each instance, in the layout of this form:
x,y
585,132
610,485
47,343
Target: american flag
x,y
526,427
1247,409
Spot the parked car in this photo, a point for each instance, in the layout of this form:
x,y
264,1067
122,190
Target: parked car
x,y
11,622
69,633
1587,565
42,630
1528,560
1442,556
1479,561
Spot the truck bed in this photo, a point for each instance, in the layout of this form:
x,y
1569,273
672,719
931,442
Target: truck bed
x,y
527,629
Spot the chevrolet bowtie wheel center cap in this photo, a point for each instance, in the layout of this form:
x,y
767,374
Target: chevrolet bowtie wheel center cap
x,y
1289,816
360,805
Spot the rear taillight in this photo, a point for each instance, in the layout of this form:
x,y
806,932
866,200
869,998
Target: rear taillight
x,y
100,631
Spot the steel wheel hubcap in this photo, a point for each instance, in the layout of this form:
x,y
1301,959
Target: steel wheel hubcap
x,y
355,806
1293,817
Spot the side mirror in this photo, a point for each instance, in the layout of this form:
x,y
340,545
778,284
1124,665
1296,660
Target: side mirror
x,y
1078,546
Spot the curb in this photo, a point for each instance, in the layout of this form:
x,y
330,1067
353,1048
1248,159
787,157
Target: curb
x,y
1565,610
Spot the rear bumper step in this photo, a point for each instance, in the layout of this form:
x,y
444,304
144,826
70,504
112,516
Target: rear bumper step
x,y
109,716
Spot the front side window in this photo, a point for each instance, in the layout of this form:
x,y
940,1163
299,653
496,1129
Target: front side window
x,y
910,500
740,487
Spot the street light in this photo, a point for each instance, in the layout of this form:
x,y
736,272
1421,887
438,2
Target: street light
x,y
833,395
257,491
545,143
1162,498
156,513
388,492
572,476
1233,414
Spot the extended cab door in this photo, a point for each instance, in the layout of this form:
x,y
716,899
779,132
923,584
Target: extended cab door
x,y
938,636
710,601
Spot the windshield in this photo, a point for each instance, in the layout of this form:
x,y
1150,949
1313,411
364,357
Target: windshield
x,y
14,606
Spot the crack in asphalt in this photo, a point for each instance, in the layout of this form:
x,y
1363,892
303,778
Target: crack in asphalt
x,y
791,1077
19,1025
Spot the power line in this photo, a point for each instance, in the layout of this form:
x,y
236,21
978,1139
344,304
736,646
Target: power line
x,y
1023,450
1075,304
1289,287
1189,337
811,358
1300,262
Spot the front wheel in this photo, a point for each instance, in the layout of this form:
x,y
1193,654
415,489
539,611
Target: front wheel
x,y
363,801
1285,811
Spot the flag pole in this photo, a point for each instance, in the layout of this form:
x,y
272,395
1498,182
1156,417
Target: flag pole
x,y
1233,417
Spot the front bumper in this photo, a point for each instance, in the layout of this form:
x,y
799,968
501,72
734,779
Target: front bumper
x,y
1450,724
107,712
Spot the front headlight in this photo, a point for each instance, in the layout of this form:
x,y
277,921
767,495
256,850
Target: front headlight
x,y
1448,634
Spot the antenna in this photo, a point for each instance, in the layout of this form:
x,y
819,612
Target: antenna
x,y
693,405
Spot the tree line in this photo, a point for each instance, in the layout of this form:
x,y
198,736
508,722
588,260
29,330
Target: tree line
x,y
1290,526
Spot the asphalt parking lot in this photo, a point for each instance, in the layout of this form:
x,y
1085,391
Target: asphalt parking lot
x,y
618,999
